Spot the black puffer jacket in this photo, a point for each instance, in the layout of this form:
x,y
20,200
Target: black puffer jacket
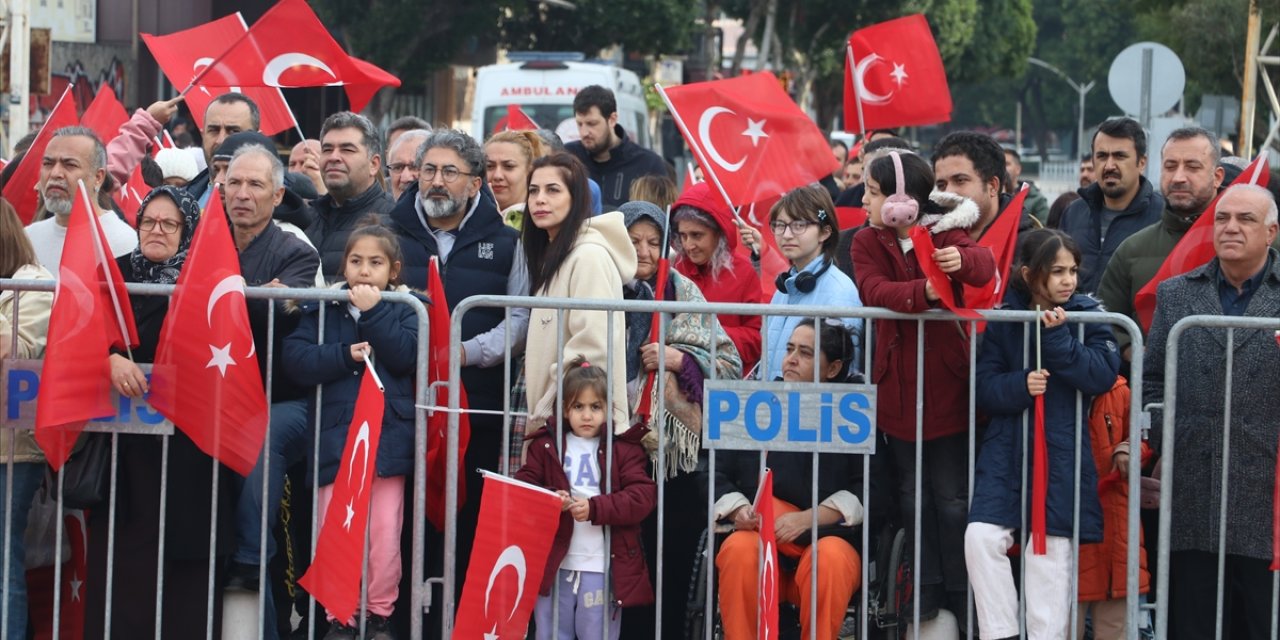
x,y
334,222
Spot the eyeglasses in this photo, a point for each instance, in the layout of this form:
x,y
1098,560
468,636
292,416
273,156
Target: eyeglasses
x,y
797,227
166,226
401,166
448,174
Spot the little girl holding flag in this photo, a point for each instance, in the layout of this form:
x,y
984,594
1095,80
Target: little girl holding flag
x,y
1044,278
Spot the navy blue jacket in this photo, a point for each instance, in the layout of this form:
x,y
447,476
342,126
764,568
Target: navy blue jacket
x,y
479,264
626,162
392,333
1089,367
1083,222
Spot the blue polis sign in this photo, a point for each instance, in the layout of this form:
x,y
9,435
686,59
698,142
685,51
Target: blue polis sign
x,y
20,384
790,416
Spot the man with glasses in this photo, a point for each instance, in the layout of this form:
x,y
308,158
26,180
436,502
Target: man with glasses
x,y
449,215
351,163
402,170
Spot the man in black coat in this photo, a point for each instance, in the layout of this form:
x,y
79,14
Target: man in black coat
x,y
611,159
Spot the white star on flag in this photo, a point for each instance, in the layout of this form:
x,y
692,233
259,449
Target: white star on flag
x,y
221,358
351,514
755,129
899,73
75,587
492,635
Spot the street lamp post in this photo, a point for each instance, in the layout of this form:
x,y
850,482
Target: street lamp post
x,y
1082,90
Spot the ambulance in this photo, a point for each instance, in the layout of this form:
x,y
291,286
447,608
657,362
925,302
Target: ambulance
x,y
543,86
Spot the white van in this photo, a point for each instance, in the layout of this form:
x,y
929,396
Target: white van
x,y
544,88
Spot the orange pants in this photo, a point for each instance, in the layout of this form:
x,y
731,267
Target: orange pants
x,y
839,574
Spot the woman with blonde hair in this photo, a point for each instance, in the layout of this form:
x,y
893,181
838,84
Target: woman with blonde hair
x,y
508,158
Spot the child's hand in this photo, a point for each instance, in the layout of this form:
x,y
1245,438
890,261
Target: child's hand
x,y
1053,317
1037,382
580,509
948,259
750,236
565,499
930,293
357,351
364,296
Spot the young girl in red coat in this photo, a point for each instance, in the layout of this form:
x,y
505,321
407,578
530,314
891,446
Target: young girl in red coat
x,y
573,463
898,186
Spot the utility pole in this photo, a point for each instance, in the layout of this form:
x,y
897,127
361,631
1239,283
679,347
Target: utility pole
x,y
1081,89
1248,95
19,69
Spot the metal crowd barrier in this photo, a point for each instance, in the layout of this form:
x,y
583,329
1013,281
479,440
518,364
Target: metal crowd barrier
x,y
1168,456
17,411
1135,610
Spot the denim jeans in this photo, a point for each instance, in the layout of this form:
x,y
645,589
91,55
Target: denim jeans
x,y
27,477
290,441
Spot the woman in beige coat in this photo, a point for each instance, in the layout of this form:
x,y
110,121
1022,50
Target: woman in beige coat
x,y
24,319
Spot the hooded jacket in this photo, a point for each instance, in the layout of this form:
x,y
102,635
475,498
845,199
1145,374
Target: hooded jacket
x,y
334,223
888,277
601,259
1083,222
1087,366
626,162
737,283
633,498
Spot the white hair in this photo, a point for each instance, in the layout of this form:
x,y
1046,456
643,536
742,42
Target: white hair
x,y
277,167
1272,214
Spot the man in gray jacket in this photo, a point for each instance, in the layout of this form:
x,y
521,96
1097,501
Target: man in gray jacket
x,y
1243,280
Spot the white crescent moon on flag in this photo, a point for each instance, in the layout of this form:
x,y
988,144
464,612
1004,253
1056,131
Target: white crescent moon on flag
x,y
361,445
859,72
285,61
512,556
201,63
704,135
229,284
83,297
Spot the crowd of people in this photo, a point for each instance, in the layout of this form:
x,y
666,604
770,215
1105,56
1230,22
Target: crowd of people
x,y
523,213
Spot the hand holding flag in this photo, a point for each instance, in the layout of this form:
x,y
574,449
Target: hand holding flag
x,y
940,282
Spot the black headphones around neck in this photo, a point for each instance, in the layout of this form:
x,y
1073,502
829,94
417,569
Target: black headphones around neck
x,y
805,281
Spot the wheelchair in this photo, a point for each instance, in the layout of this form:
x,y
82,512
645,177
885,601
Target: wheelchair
x,y
889,593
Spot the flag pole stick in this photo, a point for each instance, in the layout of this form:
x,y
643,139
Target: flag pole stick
x,y
707,169
1038,321
368,365
1258,163
857,94
101,259
296,127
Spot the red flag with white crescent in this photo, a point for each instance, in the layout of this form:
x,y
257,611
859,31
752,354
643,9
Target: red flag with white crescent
x,y
83,320
751,139
438,421
206,345
518,525
768,595
183,54
288,47
894,76
20,190
334,575
129,196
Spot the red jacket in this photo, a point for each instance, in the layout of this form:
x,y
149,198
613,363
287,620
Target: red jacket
x,y
633,498
737,283
888,278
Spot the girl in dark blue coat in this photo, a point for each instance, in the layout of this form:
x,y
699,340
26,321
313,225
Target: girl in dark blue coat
x,y
1045,275
364,326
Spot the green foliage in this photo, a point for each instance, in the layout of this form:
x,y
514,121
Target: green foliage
x,y
640,26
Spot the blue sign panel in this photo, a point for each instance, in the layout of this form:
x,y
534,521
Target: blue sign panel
x,y
789,416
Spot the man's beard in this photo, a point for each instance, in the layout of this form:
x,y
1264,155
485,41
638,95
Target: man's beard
x,y
1194,208
599,146
445,208
58,205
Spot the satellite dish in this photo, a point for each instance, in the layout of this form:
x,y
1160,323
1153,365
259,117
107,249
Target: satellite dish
x,y
1168,78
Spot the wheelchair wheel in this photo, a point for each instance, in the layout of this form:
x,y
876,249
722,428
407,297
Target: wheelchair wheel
x,y
695,623
898,582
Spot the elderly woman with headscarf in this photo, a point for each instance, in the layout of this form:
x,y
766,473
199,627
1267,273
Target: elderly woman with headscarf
x,y
166,222
694,348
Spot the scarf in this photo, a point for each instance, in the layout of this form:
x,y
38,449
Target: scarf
x,y
144,270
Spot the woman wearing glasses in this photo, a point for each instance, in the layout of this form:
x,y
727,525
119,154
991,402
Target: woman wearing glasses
x,y
167,220
804,225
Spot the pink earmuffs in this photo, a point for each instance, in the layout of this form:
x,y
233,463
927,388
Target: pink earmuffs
x,y
899,210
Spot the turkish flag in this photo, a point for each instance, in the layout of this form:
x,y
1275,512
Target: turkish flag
x,y
518,523
899,77
772,262
768,595
86,319
40,586
749,136
1039,478
515,120
20,190
923,243
205,378
334,575
289,47
1002,239
105,114
1196,246
130,196
183,54
438,421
